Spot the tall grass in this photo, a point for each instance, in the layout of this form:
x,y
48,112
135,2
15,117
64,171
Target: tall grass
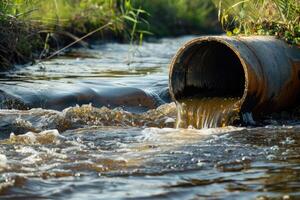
x,y
81,16
34,28
261,17
17,37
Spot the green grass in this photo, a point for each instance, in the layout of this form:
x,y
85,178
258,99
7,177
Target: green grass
x,y
178,17
35,28
162,17
79,16
17,37
32,29
261,17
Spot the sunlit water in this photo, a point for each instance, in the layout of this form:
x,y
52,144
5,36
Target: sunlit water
x,y
207,112
100,125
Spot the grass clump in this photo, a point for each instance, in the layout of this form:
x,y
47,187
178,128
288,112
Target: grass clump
x,y
32,29
17,37
261,17
79,16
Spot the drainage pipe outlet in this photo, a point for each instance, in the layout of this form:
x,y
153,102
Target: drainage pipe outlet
x,y
262,72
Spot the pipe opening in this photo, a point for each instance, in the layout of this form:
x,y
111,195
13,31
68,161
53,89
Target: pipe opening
x,y
208,69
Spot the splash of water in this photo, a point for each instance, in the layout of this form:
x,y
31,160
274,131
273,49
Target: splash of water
x,y
207,112
38,120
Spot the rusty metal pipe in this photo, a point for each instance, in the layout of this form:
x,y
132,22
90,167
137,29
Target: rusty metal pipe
x,y
262,72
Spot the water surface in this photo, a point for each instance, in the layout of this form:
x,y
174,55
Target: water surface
x,y
99,124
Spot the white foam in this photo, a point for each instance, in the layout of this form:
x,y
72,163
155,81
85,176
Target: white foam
x,y
26,150
3,161
32,159
32,138
53,132
152,134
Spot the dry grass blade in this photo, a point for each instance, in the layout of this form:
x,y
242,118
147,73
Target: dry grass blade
x,y
78,40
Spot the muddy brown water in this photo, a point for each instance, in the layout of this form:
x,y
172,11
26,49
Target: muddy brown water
x,y
207,112
100,125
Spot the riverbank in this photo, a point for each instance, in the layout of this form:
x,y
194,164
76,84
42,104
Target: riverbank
x,y
33,29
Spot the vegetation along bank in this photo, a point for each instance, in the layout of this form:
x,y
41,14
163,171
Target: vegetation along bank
x,y
34,29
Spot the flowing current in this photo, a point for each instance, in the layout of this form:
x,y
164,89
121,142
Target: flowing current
x,y
207,112
99,124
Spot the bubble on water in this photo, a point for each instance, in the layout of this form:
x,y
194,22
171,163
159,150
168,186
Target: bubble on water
x,y
151,134
190,127
271,157
32,159
246,159
222,130
200,163
53,152
25,150
288,141
77,174
169,120
274,148
271,126
211,141
72,149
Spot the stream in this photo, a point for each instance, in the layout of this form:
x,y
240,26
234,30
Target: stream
x,y
99,124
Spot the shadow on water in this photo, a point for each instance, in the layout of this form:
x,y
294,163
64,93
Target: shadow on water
x,y
110,75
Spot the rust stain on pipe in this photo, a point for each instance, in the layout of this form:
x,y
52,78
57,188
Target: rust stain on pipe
x,y
263,72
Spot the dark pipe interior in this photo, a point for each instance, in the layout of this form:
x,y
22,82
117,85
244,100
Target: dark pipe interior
x,y
208,69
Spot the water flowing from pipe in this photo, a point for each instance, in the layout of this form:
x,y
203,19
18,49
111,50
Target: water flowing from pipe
x,y
207,112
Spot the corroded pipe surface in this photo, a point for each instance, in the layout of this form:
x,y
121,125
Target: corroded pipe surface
x,y
262,72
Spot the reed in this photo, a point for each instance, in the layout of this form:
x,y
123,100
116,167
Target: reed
x,y
261,17
31,29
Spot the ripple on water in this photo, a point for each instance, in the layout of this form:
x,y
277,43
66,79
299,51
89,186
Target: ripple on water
x,y
103,152
226,160
37,120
